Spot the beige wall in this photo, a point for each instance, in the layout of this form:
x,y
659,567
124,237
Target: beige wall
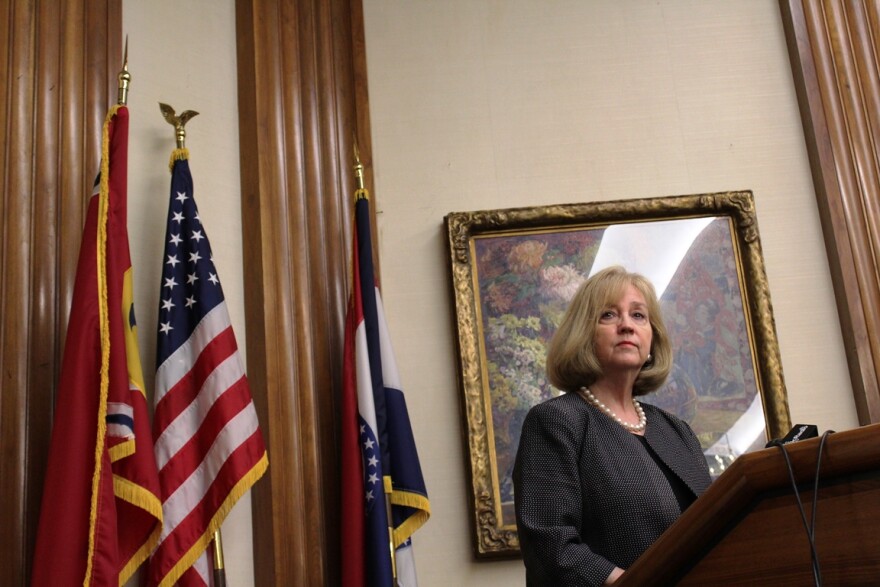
x,y
494,104
483,104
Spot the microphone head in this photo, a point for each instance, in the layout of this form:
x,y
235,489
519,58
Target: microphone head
x,y
798,432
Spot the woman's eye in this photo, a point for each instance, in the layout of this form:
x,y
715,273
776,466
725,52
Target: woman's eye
x,y
608,315
639,316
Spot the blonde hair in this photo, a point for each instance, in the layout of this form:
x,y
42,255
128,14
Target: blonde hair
x,y
571,354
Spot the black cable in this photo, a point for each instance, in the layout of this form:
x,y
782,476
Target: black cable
x,y
816,577
815,501
811,526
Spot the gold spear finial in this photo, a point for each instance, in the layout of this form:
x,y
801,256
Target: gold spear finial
x,y
124,78
178,122
360,193
358,168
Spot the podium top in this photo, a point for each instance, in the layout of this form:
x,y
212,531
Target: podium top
x,y
683,552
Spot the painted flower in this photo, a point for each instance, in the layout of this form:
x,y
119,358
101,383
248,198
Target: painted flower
x,y
499,297
527,256
561,281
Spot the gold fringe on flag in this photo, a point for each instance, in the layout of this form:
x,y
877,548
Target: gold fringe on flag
x,y
181,154
193,554
104,322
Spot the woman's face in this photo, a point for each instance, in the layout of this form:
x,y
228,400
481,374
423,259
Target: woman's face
x,y
623,335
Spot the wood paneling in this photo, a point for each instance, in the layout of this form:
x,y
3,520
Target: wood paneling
x,y
832,45
301,105
58,62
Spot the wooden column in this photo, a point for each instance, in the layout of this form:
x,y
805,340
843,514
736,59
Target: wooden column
x,y
302,102
58,63
832,45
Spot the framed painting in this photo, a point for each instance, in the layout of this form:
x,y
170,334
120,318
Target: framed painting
x,y
513,273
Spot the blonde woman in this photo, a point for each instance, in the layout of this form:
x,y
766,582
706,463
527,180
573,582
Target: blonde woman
x,y
599,476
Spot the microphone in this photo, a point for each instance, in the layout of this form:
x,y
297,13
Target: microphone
x,y
798,432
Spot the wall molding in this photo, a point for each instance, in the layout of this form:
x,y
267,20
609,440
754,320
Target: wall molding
x,y
832,47
302,105
59,63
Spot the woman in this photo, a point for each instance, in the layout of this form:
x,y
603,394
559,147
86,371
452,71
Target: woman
x,y
599,476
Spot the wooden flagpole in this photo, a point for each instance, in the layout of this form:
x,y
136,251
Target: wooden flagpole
x,y
219,565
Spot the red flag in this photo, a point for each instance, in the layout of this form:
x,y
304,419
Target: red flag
x,y
101,513
208,443
353,535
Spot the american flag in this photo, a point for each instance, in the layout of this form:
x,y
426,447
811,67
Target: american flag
x,y
208,444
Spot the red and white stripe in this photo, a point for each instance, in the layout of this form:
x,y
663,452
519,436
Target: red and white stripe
x,y
207,443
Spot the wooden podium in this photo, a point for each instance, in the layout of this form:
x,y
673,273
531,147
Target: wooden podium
x,y
747,528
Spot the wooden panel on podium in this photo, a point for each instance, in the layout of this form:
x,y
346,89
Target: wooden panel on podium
x,y
747,528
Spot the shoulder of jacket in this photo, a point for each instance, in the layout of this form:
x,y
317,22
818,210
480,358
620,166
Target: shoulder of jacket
x,y
568,409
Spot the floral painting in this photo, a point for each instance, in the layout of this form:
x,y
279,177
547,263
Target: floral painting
x,y
514,272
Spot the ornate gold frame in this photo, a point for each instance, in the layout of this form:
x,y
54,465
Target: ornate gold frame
x,y
493,536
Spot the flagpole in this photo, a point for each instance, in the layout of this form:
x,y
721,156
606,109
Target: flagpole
x,y
362,193
219,565
124,78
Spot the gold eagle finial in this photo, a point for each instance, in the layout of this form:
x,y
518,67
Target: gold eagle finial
x,y
178,122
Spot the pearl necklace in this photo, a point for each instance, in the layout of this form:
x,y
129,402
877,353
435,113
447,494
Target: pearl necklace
x,y
631,427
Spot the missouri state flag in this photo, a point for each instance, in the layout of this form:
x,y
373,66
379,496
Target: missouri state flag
x,y
380,465
101,513
208,443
